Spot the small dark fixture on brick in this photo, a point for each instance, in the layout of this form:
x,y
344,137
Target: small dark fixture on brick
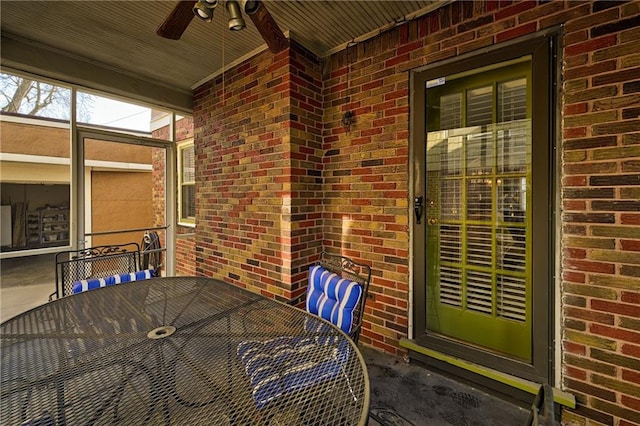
x,y
348,118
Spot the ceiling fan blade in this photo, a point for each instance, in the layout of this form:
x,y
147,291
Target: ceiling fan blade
x,y
177,21
269,29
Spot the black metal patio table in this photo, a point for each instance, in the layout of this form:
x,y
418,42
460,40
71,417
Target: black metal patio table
x,y
167,351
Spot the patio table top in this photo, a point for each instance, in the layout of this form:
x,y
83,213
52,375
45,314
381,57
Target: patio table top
x,y
169,351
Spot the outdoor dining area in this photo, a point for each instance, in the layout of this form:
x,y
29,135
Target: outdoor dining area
x,y
134,348
382,212
175,350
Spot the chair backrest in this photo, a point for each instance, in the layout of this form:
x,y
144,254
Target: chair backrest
x,y
337,291
542,411
93,283
94,262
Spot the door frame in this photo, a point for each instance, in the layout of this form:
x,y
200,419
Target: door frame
x,y
78,214
543,47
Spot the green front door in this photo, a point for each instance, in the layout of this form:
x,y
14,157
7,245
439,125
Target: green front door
x,y
478,149
482,234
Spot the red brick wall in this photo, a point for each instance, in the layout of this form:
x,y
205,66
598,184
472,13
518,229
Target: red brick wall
x,y
366,178
306,152
185,241
258,189
601,189
245,148
185,253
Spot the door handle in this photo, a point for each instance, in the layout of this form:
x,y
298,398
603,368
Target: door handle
x,y
417,208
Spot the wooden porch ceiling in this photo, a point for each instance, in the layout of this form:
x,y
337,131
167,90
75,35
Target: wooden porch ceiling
x,y
112,45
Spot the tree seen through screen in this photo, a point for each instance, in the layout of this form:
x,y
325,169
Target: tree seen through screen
x,y
20,95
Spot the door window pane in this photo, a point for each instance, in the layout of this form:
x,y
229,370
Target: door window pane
x,y
451,111
450,285
511,297
480,106
451,208
479,292
512,194
478,164
513,131
479,151
451,157
479,199
479,246
451,243
512,100
511,147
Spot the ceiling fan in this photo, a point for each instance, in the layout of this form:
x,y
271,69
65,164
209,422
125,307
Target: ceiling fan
x,y
179,19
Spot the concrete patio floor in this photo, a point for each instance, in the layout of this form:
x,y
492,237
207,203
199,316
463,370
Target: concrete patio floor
x,y
25,282
402,394
406,394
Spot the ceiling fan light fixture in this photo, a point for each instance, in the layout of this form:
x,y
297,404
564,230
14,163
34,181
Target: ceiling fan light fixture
x,y
250,6
236,23
203,9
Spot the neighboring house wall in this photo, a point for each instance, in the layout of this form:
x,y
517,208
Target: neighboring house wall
x,y
115,209
34,138
38,139
37,173
254,144
117,197
123,153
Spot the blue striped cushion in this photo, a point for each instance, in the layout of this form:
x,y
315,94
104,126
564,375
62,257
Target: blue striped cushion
x,y
93,283
332,297
84,285
134,276
285,364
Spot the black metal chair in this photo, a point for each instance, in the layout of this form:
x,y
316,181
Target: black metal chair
x,y
280,367
93,262
542,410
353,271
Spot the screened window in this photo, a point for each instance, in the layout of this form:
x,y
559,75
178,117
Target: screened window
x,y
35,164
186,184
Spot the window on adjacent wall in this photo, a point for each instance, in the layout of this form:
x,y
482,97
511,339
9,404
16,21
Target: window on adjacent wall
x,y
186,184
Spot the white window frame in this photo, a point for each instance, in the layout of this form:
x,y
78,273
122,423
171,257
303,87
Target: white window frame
x,y
182,220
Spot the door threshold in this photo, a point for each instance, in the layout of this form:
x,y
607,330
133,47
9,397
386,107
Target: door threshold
x,y
559,396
